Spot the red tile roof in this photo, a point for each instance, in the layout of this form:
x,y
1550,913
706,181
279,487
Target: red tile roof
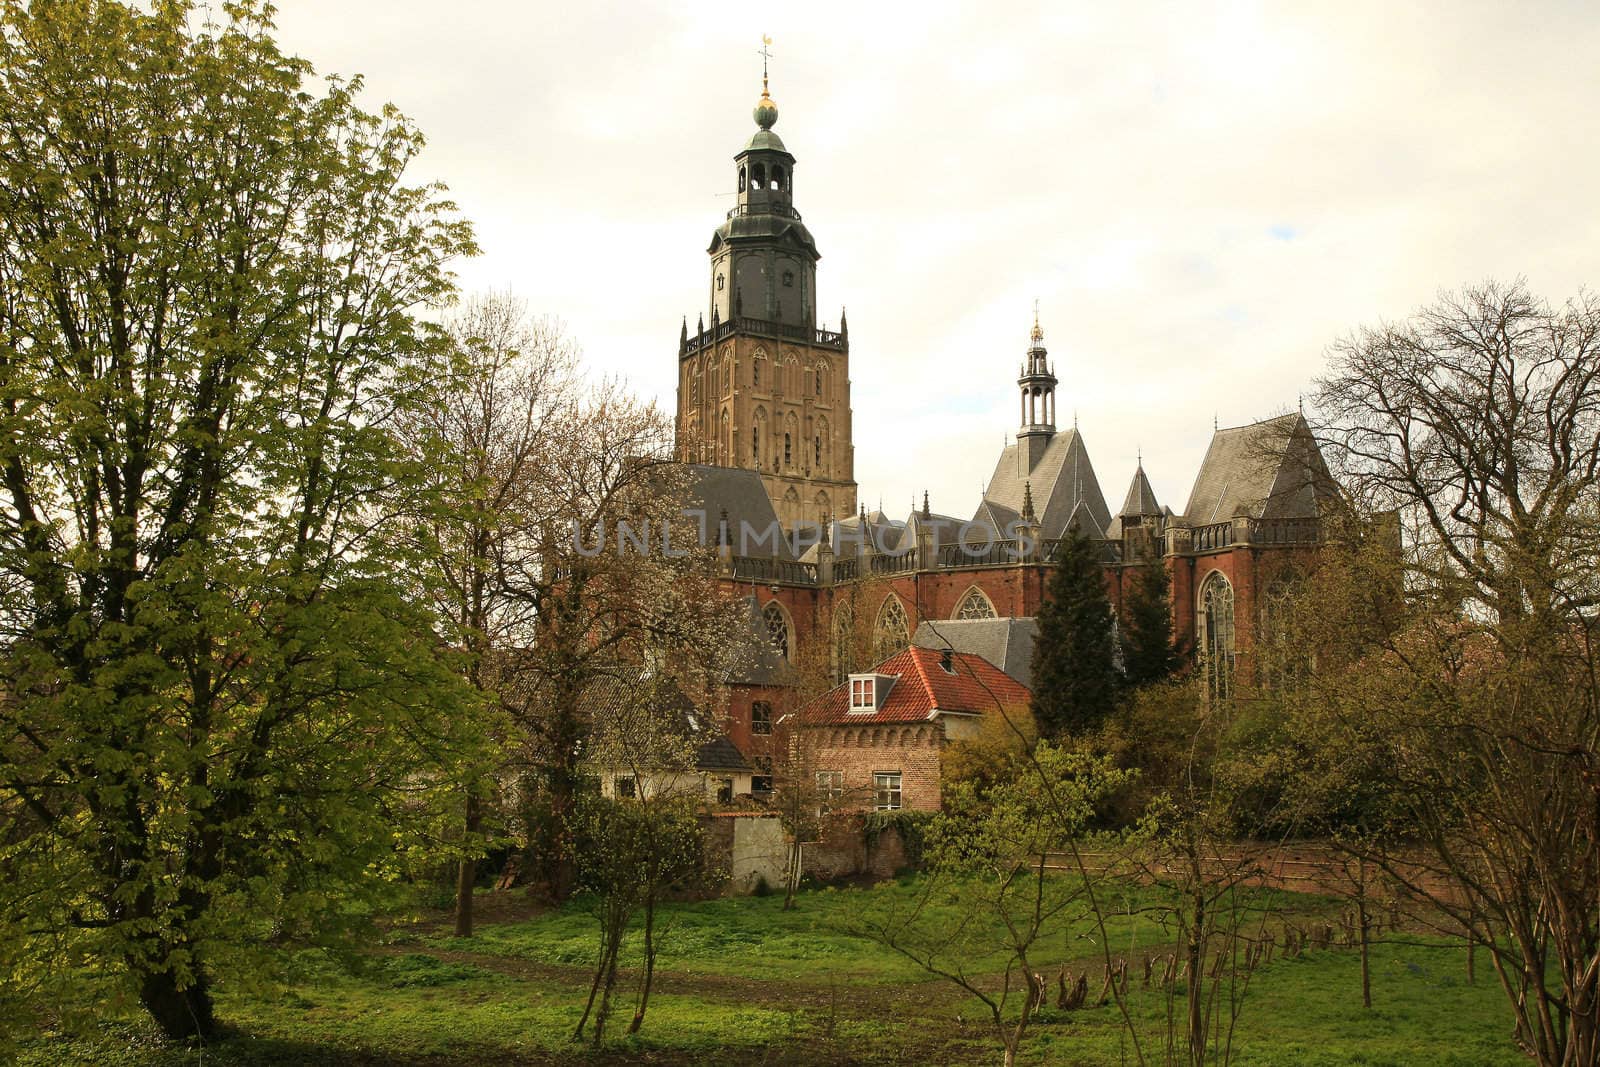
x,y
922,689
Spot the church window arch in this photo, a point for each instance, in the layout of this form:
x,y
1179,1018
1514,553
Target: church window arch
x,y
1215,623
822,381
758,177
741,178
844,632
758,434
725,439
777,178
727,374
758,367
892,632
824,445
974,604
791,507
780,630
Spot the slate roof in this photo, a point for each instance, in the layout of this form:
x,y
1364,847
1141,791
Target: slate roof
x,y
923,690
1062,481
622,685
742,494
755,661
1141,499
1005,643
1271,469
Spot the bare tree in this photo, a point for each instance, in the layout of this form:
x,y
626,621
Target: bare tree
x,y
487,439
1471,643
613,569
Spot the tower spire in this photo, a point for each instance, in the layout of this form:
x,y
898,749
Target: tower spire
x,y
1038,385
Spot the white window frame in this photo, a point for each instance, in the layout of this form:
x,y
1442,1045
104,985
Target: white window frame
x,y
864,693
883,788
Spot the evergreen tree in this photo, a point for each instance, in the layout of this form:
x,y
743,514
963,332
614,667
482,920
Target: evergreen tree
x,y
1075,679
1149,651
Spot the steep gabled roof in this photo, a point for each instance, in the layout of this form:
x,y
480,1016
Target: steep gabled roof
x,y
924,690
623,685
1271,469
1060,478
754,660
740,493
1141,499
1005,643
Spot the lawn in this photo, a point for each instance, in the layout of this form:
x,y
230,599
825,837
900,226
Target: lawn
x,y
742,980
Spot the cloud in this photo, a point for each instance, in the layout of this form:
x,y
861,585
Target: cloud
x,y
1201,197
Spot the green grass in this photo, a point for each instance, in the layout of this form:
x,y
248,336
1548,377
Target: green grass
x,y
822,940
744,980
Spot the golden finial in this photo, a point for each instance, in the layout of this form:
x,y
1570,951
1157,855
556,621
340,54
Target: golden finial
x,y
766,112
1037,335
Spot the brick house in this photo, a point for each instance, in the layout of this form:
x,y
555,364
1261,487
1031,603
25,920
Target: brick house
x,y
877,740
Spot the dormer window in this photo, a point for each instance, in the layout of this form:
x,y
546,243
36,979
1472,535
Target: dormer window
x,y
868,691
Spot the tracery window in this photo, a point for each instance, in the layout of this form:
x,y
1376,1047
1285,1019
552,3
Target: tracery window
x,y
1282,661
843,642
975,606
777,628
1216,636
892,633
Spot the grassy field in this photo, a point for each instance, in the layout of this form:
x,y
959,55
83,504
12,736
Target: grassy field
x,y
740,980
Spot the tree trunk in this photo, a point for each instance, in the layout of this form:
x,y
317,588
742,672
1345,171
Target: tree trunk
x,y
605,993
792,879
180,1013
467,873
649,963
1197,1025
1366,942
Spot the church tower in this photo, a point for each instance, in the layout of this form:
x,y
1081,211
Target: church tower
x,y
760,387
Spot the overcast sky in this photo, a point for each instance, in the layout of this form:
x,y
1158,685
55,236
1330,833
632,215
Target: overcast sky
x,y
1200,196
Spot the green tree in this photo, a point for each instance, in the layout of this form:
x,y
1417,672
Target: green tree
x,y
1150,652
1075,680
223,713
991,891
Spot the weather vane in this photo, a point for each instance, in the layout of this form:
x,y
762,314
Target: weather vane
x,y
766,43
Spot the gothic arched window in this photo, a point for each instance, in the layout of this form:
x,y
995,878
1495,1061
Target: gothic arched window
x,y
757,367
777,627
844,628
1216,638
758,433
892,633
975,606
822,380
1281,660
